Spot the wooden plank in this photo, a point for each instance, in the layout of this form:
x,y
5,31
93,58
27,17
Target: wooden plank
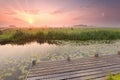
x,y
100,75
71,63
83,72
74,64
92,75
76,69
102,78
64,72
69,68
81,60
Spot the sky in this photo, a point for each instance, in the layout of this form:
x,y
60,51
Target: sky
x,y
60,12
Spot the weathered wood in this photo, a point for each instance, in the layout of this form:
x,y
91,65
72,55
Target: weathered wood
x,y
76,69
76,60
82,73
74,63
64,70
64,66
80,61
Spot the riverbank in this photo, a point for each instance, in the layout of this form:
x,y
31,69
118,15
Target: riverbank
x,y
41,35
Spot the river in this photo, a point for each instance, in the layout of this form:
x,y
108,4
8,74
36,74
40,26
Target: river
x,y
15,60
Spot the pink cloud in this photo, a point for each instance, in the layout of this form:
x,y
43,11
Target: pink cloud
x,y
58,12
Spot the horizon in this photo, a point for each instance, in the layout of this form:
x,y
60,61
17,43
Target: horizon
x,y
101,13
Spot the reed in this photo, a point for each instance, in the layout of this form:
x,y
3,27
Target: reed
x,y
45,35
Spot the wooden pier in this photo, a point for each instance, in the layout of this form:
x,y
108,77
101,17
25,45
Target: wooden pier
x,y
95,68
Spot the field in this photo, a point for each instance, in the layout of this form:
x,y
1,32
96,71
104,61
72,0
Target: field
x,y
75,42
24,35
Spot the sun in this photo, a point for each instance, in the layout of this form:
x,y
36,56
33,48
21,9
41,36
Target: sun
x,y
26,17
30,20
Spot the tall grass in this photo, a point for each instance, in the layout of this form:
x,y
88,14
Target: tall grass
x,y
21,36
83,35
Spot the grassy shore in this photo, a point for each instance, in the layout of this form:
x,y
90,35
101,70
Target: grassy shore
x,y
113,77
23,35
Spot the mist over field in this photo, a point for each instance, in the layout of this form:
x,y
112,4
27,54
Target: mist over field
x,y
84,32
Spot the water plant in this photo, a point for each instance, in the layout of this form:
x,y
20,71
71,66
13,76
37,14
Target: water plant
x,y
25,35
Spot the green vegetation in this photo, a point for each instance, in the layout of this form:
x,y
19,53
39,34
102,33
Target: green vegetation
x,y
17,69
113,77
44,35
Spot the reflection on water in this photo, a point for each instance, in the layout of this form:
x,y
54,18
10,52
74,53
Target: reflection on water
x,y
24,50
15,59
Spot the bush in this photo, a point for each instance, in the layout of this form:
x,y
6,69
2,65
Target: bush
x,y
1,32
40,36
21,37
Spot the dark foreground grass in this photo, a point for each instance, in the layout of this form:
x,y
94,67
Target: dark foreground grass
x,y
46,35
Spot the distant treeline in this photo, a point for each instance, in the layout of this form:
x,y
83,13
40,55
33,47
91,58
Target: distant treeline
x,y
20,36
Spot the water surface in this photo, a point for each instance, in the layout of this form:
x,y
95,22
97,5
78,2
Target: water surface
x,y
15,60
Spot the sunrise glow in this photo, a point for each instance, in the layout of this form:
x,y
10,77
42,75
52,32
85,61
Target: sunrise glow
x,y
26,17
59,33
54,12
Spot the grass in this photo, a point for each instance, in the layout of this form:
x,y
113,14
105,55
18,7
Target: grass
x,y
113,77
24,35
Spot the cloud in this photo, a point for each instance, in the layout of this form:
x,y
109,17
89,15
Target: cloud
x,y
9,13
58,12
76,18
32,11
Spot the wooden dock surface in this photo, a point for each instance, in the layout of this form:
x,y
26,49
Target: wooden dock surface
x,y
95,68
